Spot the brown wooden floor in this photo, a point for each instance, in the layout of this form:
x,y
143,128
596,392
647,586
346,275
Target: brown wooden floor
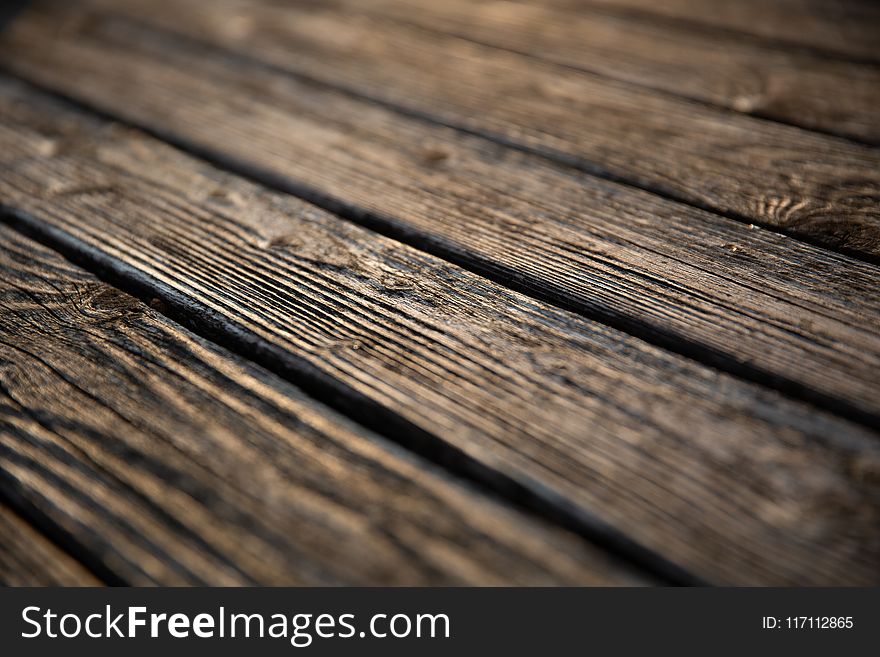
x,y
460,292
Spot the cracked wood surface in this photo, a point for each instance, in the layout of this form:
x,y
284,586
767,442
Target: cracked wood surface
x,y
816,186
566,313
798,316
170,461
804,89
730,481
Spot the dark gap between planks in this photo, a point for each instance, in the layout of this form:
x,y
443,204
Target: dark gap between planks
x,y
530,497
530,286
560,158
661,91
31,558
426,444
777,42
57,536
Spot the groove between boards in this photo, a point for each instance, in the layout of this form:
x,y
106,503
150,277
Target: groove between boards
x,y
532,497
529,496
529,285
660,91
53,533
590,168
695,25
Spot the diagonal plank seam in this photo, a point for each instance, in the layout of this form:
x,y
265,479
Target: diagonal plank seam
x,y
661,91
558,157
529,496
163,513
578,163
31,558
700,27
51,531
524,283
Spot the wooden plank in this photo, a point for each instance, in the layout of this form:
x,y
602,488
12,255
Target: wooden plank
x,y
844,27
757,303
808,90
822,188
170,461
726,479
27,558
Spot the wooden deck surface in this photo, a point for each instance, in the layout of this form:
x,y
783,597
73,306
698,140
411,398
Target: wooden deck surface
x,y
468,292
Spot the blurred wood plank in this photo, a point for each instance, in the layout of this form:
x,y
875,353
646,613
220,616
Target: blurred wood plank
x,y
845,27
27,558
803,89
731,482
754,302
813,185
173,462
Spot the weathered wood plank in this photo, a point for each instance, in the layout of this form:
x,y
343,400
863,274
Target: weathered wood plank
x,y
728,480
755,302
813,185
807,90
27,558
172,462
846,27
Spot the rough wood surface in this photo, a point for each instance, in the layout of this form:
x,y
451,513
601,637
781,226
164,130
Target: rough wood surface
x,y
845,27
172,462
821,187
27,558
732,482
804,89
748,299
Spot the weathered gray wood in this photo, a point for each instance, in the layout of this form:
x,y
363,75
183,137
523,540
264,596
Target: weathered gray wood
x,y
728,480
817,186
846,27
804,89
173,462
27,558
759,302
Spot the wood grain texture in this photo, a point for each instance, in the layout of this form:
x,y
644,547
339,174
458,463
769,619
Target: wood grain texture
x,y
173,462
754,301
845,27
813,185
804,89
27,558
728,480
